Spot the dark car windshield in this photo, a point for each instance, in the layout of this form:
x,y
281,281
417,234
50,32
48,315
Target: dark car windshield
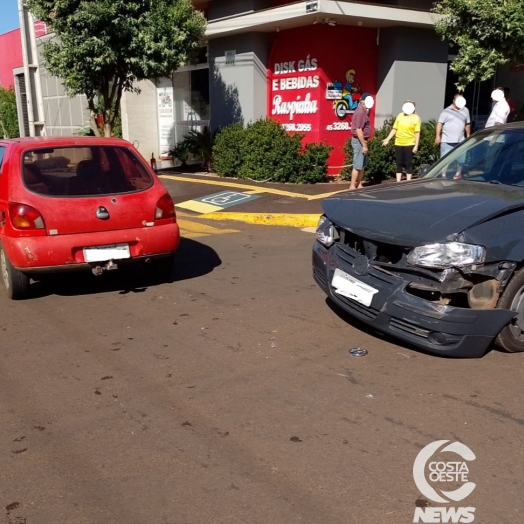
x,y
84,171
495,155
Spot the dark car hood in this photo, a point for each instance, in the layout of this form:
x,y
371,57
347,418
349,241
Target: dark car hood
x,y
422,211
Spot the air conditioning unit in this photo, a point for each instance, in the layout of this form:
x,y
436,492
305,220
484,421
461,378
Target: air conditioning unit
x,y
312,6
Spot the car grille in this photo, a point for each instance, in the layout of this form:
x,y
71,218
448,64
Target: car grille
x,y
346,257
377,251
408,327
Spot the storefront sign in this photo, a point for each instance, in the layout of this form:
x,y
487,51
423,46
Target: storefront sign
x,y
166,124
315,91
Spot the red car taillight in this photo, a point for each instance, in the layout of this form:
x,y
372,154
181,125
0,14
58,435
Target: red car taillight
x,y
165,208
25,217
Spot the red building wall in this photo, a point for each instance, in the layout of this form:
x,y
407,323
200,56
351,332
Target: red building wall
x,y
10,56
308,76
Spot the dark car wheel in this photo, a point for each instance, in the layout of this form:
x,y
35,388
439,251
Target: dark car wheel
x,y
15,282
511,338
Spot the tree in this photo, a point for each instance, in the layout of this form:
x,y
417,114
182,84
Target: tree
x,y
8,114
487,34
103,47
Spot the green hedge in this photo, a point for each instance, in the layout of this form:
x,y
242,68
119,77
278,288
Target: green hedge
x,y
8,114
381,164
264,151
227,150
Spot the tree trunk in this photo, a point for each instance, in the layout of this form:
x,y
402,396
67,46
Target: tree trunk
x,y
94,125
4,130
92,116
107,129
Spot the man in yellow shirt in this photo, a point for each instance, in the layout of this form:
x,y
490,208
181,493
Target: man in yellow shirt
x,y
406,131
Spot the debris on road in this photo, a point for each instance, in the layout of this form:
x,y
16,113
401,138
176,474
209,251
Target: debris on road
x,y
358,352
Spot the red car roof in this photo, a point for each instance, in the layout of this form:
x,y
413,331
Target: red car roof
x,y
56,141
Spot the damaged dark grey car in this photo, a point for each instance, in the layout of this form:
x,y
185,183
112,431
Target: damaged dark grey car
x,y
437,262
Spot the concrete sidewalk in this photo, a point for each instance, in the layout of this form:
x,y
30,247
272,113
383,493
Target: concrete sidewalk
x,y
214,198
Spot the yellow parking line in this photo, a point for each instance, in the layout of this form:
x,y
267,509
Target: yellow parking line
x,y
269,219
198,207
233,184
190,229
325,195
253,191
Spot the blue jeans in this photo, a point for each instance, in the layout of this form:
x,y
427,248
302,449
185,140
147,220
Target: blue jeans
x,y
446,147
359,158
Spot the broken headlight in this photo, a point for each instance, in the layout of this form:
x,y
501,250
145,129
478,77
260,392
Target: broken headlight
x,y
441,256
326,232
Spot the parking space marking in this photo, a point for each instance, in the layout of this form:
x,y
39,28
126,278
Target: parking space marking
x,y
253,189
268,219
325,195
227,199
190,229
217,201
198,207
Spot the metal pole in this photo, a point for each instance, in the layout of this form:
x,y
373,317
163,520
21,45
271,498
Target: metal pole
x,y
22,13
38,83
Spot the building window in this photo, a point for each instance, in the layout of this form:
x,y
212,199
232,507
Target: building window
x,y
191,98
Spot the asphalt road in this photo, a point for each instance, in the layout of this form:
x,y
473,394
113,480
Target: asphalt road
x,y
229,396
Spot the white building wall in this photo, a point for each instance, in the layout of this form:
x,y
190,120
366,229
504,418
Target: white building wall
x,y
139,119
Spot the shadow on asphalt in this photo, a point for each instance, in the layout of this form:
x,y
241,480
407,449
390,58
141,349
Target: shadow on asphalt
x,y
362,326
193,260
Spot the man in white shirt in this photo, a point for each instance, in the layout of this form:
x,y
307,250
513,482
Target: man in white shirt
x,y
500,112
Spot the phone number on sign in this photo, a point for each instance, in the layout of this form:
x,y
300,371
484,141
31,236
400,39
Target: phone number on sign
x,y
297,127
339,126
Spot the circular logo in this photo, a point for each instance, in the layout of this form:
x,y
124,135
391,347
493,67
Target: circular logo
x,y
443,471
361,265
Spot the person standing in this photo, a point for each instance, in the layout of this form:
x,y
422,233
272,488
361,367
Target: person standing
x,y
361,131
454,124
406,131
500,112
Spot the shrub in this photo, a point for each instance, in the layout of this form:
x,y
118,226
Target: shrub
x,y
85,131
381,163
269,152
265,151
8,114
428,151
227,150
313,168
181,153
200,144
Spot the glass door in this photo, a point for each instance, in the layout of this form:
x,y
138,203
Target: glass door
x,y
191,92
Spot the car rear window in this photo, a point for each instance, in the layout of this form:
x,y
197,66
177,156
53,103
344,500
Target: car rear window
x,y
84,171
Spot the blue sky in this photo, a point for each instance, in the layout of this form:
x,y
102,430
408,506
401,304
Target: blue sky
x,y
8,16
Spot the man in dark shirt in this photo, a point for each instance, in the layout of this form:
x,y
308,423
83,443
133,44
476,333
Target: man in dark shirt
x,y
361,130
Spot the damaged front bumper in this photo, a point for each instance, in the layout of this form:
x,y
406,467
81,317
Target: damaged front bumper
x,y
437,328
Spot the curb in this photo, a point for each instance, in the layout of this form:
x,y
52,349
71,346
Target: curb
x,y
268,219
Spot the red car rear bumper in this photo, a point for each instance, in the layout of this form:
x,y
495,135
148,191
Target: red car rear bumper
x,y
65,252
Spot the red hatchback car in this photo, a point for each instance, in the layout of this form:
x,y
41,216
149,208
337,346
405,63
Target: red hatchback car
x,y
73,203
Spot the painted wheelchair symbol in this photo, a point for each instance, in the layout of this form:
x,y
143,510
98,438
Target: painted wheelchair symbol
x,y
226,198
